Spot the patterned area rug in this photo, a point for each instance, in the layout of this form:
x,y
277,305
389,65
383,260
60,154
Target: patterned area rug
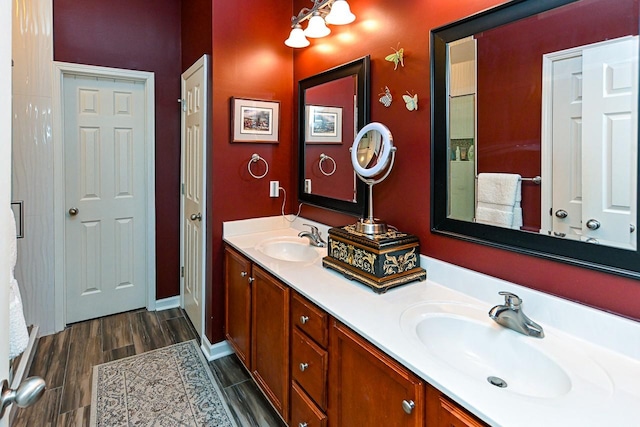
x,y
171,386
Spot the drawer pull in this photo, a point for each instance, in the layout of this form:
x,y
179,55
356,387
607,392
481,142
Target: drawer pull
x,y
304,366
408,405
304,319
302,424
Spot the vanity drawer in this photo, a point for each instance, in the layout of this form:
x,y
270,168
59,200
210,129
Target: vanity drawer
x,y
304,413
309,365
310,319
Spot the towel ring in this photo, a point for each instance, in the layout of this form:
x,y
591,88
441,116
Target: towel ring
x,y
254,158
324,157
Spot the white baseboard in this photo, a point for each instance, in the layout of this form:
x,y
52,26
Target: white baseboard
x,y
167,303
215,351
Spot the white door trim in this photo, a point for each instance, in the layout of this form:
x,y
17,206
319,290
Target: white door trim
x,y
205,64
60,69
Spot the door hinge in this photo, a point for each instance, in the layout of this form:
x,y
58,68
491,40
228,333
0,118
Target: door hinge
x,y
181,271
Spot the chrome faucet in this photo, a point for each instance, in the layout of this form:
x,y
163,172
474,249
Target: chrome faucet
x,y
313,236
510,315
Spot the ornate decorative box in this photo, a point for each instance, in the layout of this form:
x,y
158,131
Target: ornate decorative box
x,y
380,261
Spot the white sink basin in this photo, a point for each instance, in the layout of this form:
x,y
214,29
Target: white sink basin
x,y
465,339
293,249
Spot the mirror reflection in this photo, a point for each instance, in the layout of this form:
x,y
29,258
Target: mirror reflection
x,y
542,124
329,130
524,71
368,149
333,105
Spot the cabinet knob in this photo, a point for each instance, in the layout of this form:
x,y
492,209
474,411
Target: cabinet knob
x,y
251,279
243,274
304,319
304,366
408,405
302,424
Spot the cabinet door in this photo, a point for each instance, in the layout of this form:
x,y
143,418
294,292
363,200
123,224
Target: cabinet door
x,y
270,338
367,388
237,321
443,412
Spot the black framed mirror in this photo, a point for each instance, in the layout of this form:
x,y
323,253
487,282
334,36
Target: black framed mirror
x,y
332,107
480,125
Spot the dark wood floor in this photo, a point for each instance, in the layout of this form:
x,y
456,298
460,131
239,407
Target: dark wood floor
x,y
65,360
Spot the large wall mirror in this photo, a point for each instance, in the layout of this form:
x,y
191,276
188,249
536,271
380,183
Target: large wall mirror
x,y
333,106
535,130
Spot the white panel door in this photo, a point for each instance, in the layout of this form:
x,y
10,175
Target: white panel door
x,y
194,172
5,188
610,143
105,185
567,147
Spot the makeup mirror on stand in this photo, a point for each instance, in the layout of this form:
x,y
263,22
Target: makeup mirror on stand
x,y
372,157
368,251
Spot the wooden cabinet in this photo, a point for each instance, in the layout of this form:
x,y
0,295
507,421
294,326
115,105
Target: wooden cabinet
x,y
270,338
367,387
237,321
443,412
334,377
309,363
257,325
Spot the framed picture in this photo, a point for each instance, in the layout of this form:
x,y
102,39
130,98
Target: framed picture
x,y
19,216
254,120
324,125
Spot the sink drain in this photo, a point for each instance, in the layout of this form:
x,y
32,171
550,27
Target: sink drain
x,y
498,382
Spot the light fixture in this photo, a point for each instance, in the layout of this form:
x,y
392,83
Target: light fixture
x,y
297,38
340,14
334,12
316,27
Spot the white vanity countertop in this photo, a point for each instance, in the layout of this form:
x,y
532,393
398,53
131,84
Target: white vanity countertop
x,y
602,350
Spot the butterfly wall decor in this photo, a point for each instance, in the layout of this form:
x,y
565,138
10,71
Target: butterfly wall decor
x,y
397,57
411,101
386,97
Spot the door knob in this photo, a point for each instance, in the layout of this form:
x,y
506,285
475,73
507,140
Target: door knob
x,y
74,211
197,216
27,393
593,224
560,213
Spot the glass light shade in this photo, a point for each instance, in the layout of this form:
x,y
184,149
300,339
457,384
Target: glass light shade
x,y
340,13
316,28
297,38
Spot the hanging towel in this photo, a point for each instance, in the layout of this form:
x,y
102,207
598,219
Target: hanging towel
x,y
499,197
18,333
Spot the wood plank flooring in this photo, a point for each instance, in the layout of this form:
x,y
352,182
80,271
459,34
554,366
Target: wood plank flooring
x,y
65,361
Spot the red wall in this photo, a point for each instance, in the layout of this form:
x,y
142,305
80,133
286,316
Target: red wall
x,y
403,199
250,60
509,110
129,34
196,30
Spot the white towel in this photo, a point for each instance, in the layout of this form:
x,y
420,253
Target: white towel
x,y
499,197
18,333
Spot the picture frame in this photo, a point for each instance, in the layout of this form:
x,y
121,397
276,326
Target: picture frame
x,y
254,120
323,124
18,213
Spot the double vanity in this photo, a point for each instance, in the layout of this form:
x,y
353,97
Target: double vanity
x,y
426,353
